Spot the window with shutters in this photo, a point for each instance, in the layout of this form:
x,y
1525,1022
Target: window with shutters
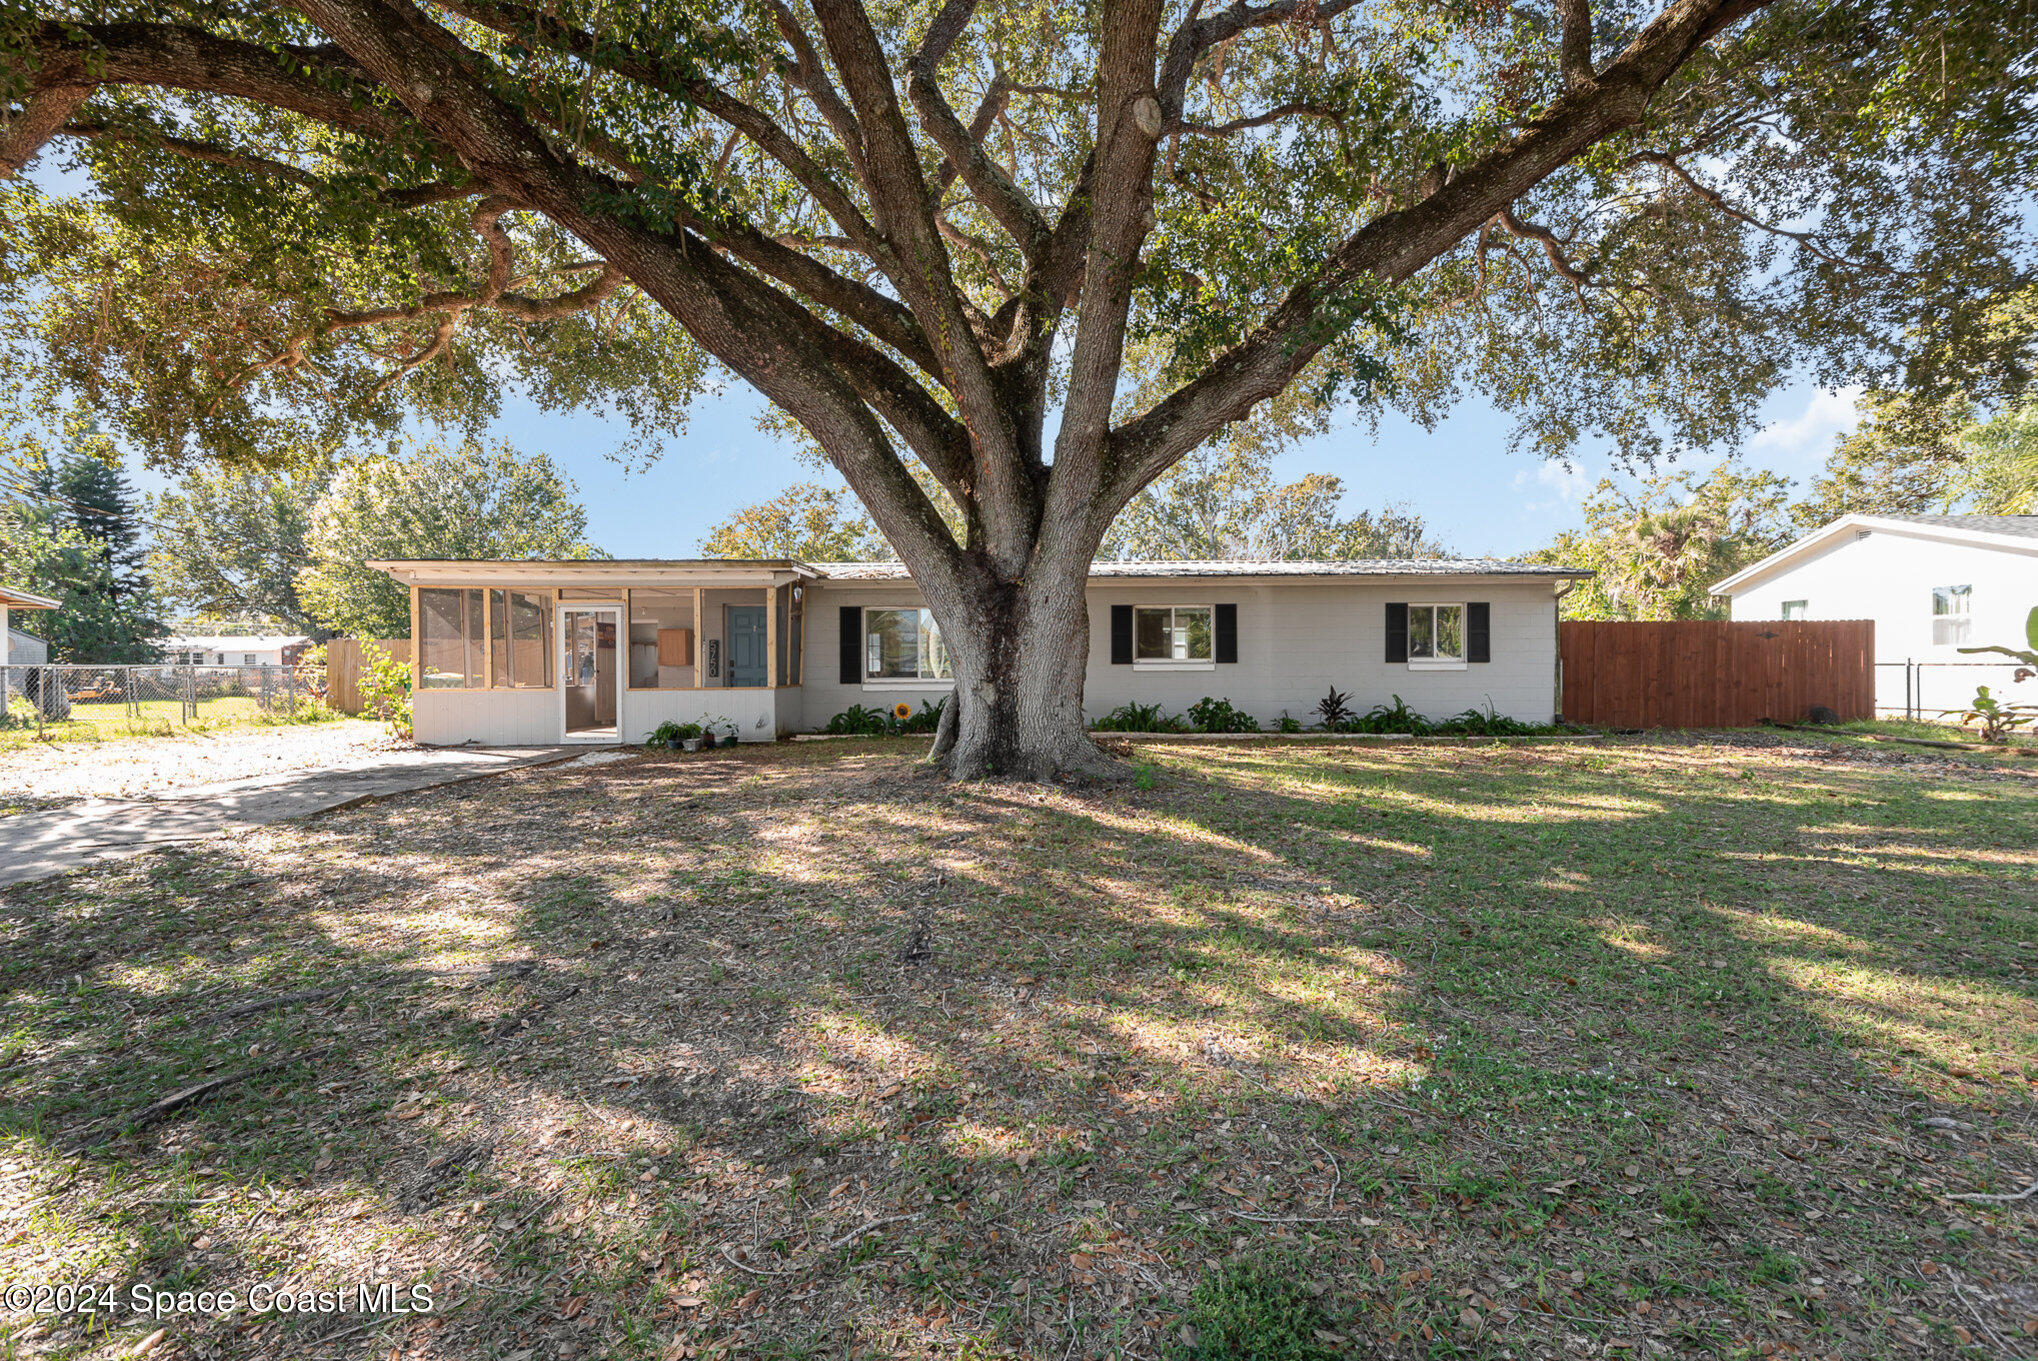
x,y
1436,635
1173,637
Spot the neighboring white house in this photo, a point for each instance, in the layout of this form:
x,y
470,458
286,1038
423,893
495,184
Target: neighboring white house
x,y
256,649
1933,584
603,651
25,649
33,651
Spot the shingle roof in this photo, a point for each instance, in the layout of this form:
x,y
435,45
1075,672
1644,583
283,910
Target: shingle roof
x,y
2019,526
1350,567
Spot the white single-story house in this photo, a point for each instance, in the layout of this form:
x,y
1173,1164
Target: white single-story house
x,y
25,649
524,653
1933,584
252,649
33,650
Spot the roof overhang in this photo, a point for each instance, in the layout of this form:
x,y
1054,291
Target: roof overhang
x,y
25,600
593,572
1798,550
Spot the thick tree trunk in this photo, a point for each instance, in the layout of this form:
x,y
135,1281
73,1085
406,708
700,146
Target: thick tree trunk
x,y
1019,651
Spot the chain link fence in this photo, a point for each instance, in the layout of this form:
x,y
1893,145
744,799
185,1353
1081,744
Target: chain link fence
x,y
57,700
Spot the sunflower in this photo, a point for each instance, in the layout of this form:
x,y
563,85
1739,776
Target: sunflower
x,y
902,711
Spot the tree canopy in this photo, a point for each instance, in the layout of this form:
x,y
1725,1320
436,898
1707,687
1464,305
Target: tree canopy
x,y
229,544
466,502
1229,505
806,521
70,528
1043,253
1656,549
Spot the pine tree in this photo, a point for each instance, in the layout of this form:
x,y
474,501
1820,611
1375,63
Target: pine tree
x,y
75,535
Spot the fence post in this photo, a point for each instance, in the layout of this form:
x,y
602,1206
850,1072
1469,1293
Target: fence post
x,y
190,695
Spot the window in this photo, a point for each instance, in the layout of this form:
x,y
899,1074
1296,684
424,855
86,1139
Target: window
x,y
247,659
1436,633
450,626
1171,635
904,645
1795,609
1950,614
520,639
662,640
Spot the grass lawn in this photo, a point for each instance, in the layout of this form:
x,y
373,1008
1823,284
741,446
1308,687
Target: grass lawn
x,y
1608,1049
107,720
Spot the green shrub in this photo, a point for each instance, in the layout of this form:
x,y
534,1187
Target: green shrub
x,y
1287,724
1139,718
1333,711
385,688
1487,723
926,719
1259,1310
1391,718
858,721
1218,715
672,735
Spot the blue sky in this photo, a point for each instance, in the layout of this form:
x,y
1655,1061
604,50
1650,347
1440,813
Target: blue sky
x,y
1480,499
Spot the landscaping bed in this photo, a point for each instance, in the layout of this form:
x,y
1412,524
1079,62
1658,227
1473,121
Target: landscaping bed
x,y
1622,1048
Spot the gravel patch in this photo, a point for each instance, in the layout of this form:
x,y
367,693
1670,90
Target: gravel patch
x,y
50,775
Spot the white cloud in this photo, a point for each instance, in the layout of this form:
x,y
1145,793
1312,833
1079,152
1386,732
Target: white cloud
x,y
1569,483
1827,414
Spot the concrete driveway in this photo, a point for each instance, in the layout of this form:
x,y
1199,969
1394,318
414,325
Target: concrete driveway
x,y
37,845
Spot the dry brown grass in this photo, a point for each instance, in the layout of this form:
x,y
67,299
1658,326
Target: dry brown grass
x,y
1550,1051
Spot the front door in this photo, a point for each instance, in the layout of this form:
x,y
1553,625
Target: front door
x,y
746,645
589,672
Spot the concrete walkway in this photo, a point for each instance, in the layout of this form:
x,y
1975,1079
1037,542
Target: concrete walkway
x,y
37,845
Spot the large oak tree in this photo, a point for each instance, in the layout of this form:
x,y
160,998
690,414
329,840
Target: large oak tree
x,y
1022,257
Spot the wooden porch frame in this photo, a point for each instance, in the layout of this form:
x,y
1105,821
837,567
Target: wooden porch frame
x,y
551,593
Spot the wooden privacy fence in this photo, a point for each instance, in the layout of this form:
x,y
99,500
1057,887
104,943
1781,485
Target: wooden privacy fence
x,y
1708,673
343,668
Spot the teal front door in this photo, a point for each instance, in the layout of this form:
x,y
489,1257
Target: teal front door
x,y
746,645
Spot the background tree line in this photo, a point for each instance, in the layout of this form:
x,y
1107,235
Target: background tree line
x,y
234,550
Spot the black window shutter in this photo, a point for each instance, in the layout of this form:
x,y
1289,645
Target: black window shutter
x,y
1397,632
1478,632
1227,633
852,644
1121,635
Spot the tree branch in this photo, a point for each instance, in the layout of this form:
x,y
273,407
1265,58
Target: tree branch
x,y
1574,47
904,215
1394,245
303,80
210,154
41,116
1273,115
1809,240
1196,35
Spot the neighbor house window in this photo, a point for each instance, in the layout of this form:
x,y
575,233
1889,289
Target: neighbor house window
x,y
904,645
1436,633
1795,609
450,635
1171,634
1951,614
247,659
520,639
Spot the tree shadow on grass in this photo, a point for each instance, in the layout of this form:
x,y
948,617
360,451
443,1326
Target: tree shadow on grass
x,y
620,1039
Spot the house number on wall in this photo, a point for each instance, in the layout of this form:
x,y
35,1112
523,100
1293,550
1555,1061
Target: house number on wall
x,y
714,657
